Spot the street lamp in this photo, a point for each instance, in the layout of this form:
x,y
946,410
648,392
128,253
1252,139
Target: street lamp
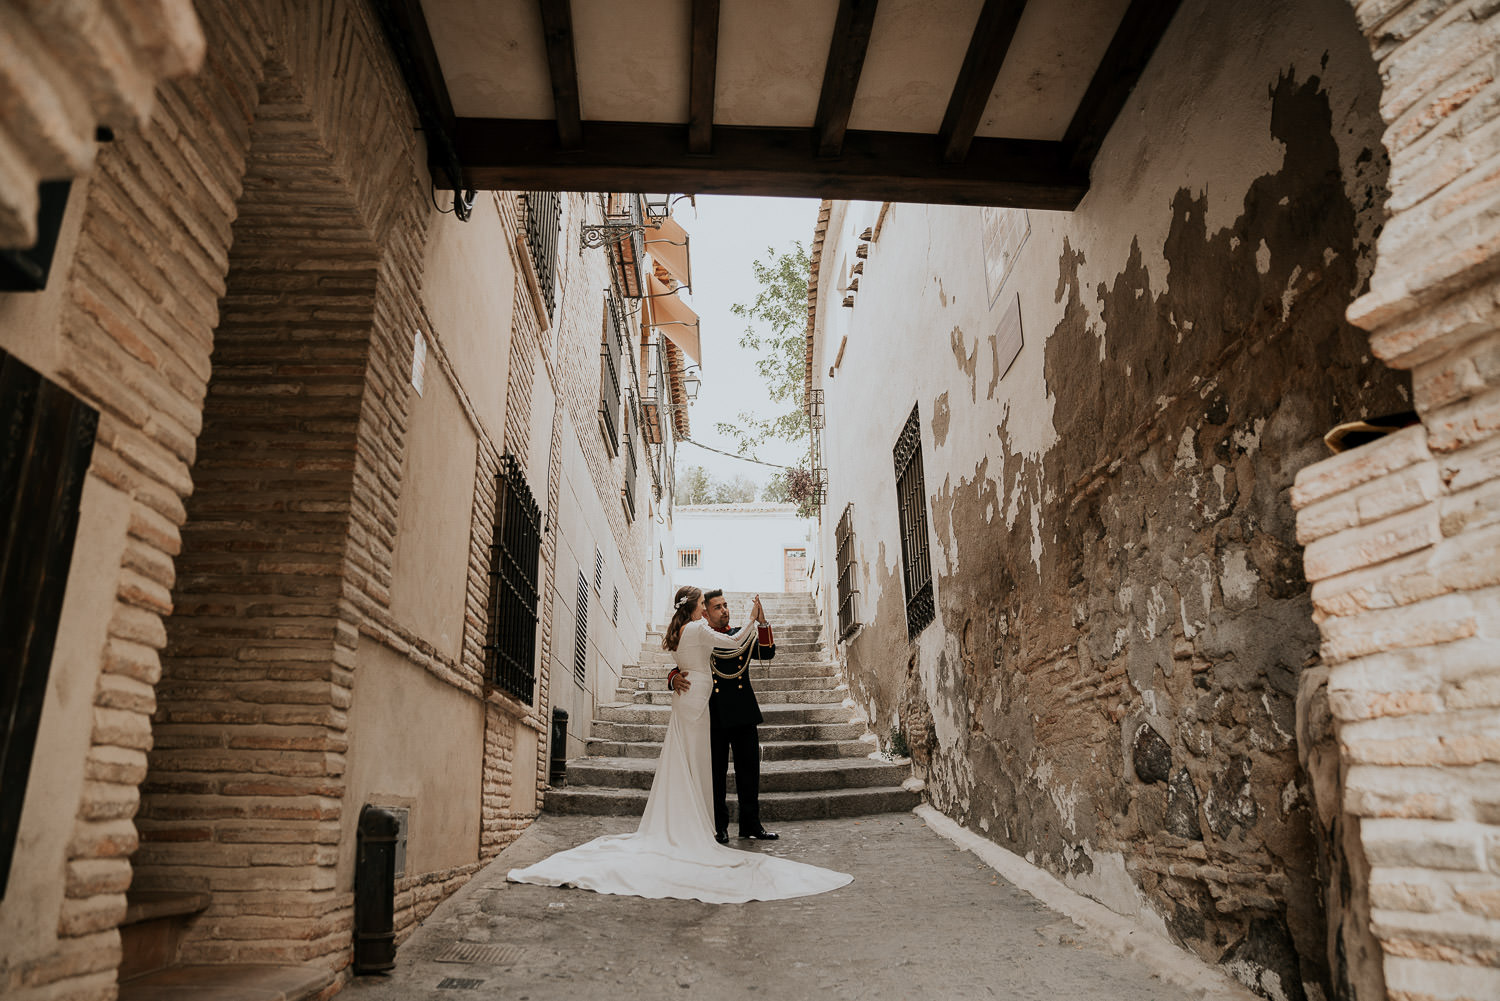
x,y
655,208
691,383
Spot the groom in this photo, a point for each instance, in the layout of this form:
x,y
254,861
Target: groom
x,y
733,717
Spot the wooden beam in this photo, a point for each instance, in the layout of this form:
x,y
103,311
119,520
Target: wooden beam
x,y
1140,30
521,155
976,80
703,75
406,29
846,58
557,30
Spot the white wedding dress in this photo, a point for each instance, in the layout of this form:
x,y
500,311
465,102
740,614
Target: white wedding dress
x,y
673,853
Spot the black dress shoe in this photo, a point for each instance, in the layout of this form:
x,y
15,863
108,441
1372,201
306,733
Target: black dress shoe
x,y
722,837
759,835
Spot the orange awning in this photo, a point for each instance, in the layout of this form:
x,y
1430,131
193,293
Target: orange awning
x,y
673,318
668,246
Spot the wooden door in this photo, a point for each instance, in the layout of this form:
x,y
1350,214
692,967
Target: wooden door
x,y
795,562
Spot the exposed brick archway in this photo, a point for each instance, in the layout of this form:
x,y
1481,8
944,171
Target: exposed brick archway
x,y
243,796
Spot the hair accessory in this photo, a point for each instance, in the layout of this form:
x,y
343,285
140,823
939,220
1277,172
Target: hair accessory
x,y
682,601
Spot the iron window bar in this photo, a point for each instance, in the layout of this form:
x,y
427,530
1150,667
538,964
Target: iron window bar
x,y
515,548
581,633
543,236
610,357
911,504
844,564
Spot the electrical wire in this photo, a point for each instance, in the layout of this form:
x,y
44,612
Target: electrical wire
x,y
742,458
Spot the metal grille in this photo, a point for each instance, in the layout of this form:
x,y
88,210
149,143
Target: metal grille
x,y
614,615
630,467
510,637
687,559
543,231
843,540
911,502
609,378
598,569
581,633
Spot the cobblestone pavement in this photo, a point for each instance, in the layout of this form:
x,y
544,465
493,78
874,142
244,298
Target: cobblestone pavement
x,y
922,919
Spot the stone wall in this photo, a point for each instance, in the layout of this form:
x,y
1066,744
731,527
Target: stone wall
x,y
1111,684
1403,536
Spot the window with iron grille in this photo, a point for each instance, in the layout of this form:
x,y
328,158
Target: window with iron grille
x,y
628,492
614,615
687,559
581,633
843,541
609,378
510,635
598,568
911,502
543,233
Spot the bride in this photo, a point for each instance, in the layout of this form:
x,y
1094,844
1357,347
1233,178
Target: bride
x,y
673,853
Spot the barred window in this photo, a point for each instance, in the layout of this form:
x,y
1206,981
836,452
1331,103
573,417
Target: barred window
x,y
687,559
598,568
581,633
911,502
543,232
609,378
628,491
510,635
843,540
614,615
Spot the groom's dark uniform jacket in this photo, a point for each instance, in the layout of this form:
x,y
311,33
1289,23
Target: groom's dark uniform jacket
x,y
733,715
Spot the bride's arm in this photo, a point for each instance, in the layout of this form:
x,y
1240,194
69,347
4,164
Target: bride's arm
x,y
735,643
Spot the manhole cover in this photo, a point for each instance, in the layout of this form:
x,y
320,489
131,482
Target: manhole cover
x,y
458,984
477,952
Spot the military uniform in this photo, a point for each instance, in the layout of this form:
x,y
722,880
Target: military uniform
x,y
734,715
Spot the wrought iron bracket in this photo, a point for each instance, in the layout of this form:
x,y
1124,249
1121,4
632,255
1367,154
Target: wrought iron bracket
x,y
598,234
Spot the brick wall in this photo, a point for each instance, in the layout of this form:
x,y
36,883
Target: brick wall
x,y
1403,536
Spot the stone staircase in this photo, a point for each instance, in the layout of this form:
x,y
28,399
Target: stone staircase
x,y
814,747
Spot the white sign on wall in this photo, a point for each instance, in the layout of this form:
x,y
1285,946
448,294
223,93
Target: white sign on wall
x,y
418,362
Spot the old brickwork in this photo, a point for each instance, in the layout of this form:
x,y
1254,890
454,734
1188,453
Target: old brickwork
x,y
1403,536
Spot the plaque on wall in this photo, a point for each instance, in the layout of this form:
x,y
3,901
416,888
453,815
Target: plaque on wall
x,y
1005,231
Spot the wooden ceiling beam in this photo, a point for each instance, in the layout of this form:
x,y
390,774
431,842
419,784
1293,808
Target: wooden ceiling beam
x,y
521,155
846,59
562,64
703,75
1136,38
993,33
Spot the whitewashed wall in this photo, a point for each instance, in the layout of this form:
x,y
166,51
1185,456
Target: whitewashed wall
x,y
742,545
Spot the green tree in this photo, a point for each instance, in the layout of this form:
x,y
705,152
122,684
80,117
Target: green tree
x,y
776,490
696,485
777,330
738,490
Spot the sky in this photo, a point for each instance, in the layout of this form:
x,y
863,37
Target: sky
x,y
728,233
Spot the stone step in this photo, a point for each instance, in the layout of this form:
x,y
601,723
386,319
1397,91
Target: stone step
x,y
778,668
780,750
662,697
598,801
788,714
796,775
656,732
804,683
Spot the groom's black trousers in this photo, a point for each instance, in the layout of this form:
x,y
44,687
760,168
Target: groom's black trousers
x,y
745,743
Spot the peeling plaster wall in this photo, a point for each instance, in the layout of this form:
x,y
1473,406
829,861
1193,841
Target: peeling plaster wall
x,y
1111,686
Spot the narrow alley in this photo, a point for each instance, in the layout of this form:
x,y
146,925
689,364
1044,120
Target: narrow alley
x,y
1009,488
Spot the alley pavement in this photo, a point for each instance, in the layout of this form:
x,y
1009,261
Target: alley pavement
x,y
922,919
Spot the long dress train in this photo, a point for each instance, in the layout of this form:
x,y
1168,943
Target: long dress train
x,y
673,853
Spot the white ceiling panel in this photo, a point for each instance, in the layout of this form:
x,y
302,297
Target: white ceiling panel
x,y
771,59
632,59
492,57
916,50
1049,66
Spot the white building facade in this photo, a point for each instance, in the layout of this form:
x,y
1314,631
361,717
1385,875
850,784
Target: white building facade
x,y
742,547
